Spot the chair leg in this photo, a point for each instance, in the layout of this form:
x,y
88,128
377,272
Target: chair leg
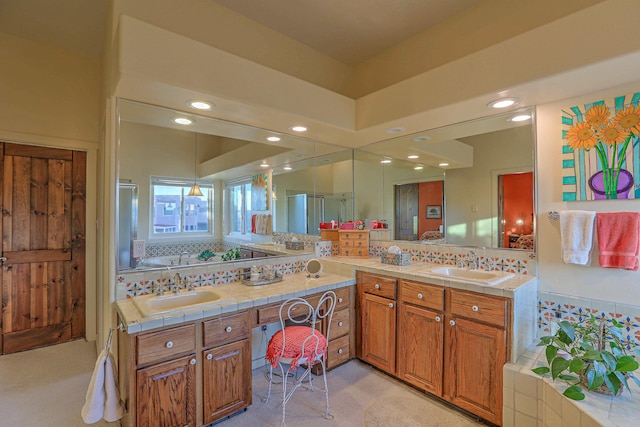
x,y
284,392
266,399
327,415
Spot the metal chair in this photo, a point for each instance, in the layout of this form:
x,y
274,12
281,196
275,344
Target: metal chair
x,y
299,344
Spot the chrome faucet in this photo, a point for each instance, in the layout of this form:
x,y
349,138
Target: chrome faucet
x,y
180,257
177,280
471,260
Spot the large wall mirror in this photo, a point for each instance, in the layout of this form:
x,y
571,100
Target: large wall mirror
x,y
466,184
309,182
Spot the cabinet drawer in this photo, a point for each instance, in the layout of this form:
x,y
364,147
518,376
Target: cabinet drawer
x,y
338,351
423,295
354,235
271,314
484,308
342,296
379,285
359,252
155,346
354,243
226,329
339,324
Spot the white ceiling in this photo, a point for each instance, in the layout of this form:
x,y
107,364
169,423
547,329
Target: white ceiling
x,y
350,31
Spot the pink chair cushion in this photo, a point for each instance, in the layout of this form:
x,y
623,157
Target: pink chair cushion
x,y
295,336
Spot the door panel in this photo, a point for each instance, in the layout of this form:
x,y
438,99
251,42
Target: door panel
x,y
406,212
43,245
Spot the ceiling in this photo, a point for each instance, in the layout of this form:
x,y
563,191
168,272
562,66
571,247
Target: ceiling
x,y
348,31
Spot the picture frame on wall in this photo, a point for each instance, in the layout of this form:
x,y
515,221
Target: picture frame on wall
x,y
434,211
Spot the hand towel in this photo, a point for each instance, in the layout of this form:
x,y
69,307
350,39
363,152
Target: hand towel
x,y
619,239
576,236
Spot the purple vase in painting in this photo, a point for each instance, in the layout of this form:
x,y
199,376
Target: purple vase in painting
x,y
625,183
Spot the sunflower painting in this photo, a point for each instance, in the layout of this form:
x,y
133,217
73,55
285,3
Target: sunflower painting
x,y
601,150
259,193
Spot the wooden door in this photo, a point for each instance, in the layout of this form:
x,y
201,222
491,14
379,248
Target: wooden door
x,y
406,204
43,246
166,394
379,332
474,373
421,348
226,380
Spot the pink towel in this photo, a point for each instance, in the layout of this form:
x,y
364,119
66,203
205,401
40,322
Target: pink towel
x,y
619,239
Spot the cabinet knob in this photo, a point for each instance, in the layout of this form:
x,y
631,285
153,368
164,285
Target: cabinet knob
x,y
438,319
452,322
339,351
192,361
228,329
377,286
209,356
340,300
420,296
390,305
340,323
169,344
474,308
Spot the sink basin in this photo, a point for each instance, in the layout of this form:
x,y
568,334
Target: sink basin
x,y
171,261
154,305
476,276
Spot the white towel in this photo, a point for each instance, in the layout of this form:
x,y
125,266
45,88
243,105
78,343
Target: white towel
x,y
576,235
103,398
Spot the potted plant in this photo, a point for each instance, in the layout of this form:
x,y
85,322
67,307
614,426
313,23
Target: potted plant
x,y
591,354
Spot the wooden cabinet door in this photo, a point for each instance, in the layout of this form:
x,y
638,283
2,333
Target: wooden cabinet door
x,y
226,380
166,394
42,198
379,332
421,347
474,373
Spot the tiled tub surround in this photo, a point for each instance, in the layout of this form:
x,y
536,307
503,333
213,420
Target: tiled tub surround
x,y
531,400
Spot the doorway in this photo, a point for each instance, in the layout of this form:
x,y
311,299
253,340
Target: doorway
x,y
42,285
515,210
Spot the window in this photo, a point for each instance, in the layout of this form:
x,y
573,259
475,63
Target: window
x,y
177,213
239,206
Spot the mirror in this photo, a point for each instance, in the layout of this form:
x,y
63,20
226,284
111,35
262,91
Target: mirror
x,y
313,268
216,152
488,197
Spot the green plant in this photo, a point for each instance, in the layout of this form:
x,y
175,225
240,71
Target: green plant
x,y
590,353
231,254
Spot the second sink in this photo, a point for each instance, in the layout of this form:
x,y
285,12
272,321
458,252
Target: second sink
x,y
153,305
476,276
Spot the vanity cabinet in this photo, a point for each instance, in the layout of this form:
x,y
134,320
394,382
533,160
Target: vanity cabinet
x,y
451,343
378,320
190,375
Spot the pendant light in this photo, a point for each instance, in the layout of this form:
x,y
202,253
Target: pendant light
x,y
195,188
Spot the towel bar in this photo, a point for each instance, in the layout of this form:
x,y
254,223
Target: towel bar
x,y
553,215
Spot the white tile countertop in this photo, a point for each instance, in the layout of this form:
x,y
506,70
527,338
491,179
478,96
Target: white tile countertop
x,y
233,297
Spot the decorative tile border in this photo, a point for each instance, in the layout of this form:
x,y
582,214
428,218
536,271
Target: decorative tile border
x,y
554,307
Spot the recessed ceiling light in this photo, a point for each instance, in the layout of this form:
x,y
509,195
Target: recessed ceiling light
x,y
200,105
502,103
182,121
273,138
413,156
264,165
443,164
419,168
299,128
422,138
287,168
385,161
396,130
520,118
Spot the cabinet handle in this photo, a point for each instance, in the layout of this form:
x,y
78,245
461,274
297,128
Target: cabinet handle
x,y
452,322
228,329
192,361
169,344
340,299
339,351
209,356
420,296
377,286
474,308
438,319
340,323
390,305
